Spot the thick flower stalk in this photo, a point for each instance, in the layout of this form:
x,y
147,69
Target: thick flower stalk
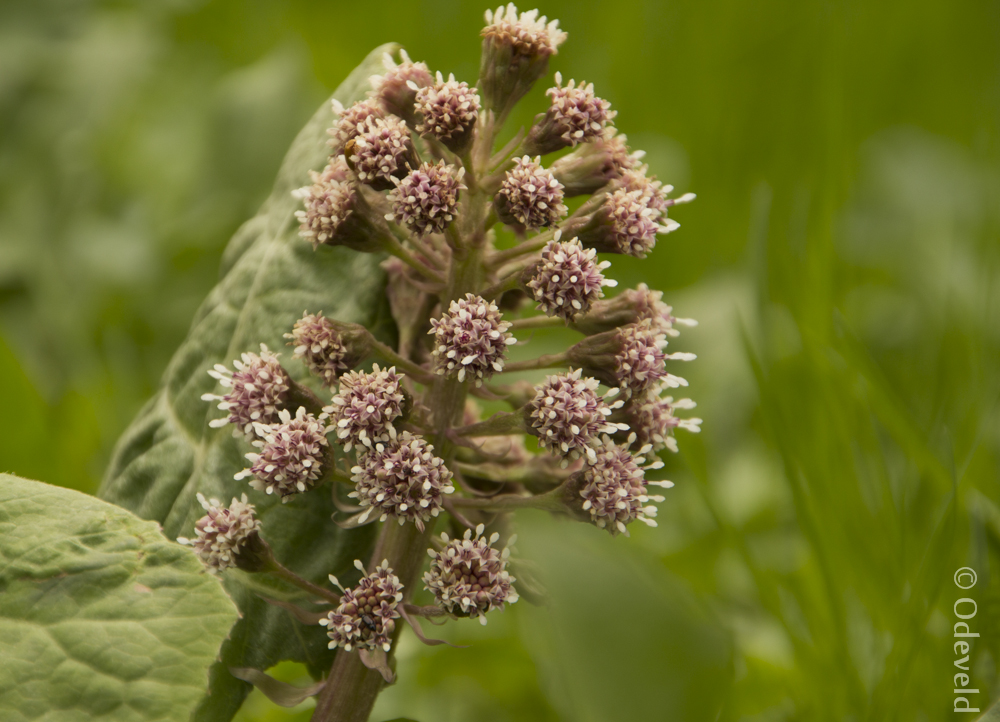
x,y
392,425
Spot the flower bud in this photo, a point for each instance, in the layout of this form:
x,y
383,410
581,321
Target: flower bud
x,y
568,416
448,112
381,150
395,90
402,478
471,339
426,200
365,617
567,279
530,196
516,51
595,164
575,116
336,213
469,578
224,535
258,388
350,120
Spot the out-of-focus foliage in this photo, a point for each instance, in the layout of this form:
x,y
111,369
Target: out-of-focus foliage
x,y
103,617
842,259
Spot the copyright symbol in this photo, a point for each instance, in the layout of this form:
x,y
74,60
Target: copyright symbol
x,y
965,578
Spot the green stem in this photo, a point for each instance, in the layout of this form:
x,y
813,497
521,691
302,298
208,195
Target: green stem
x,y
282,572
500,424
550,501
537,322
394,247
548,361
387,355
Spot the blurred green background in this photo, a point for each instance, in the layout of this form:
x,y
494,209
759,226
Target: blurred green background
x,y
842,259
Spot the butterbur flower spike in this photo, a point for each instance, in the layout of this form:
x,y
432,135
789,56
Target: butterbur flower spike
x,y
435,409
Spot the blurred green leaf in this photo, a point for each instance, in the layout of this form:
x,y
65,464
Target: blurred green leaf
x,y
169,454
101,617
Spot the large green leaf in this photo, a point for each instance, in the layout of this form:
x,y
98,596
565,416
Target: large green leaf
x,y
101,617
270,276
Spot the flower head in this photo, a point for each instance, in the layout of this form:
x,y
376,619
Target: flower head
x,y
365,617
381,150
653,421
426,200
320,347
568,416
568,279
640,358
526,33
257,387
223,532
366,405
469,577
634,223
291,457
575,115
448,110
613,487
334,213
395,87
530,195
402,478
350,120
471,339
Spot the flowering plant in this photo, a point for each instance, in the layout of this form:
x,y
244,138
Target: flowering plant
x,y
397,436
